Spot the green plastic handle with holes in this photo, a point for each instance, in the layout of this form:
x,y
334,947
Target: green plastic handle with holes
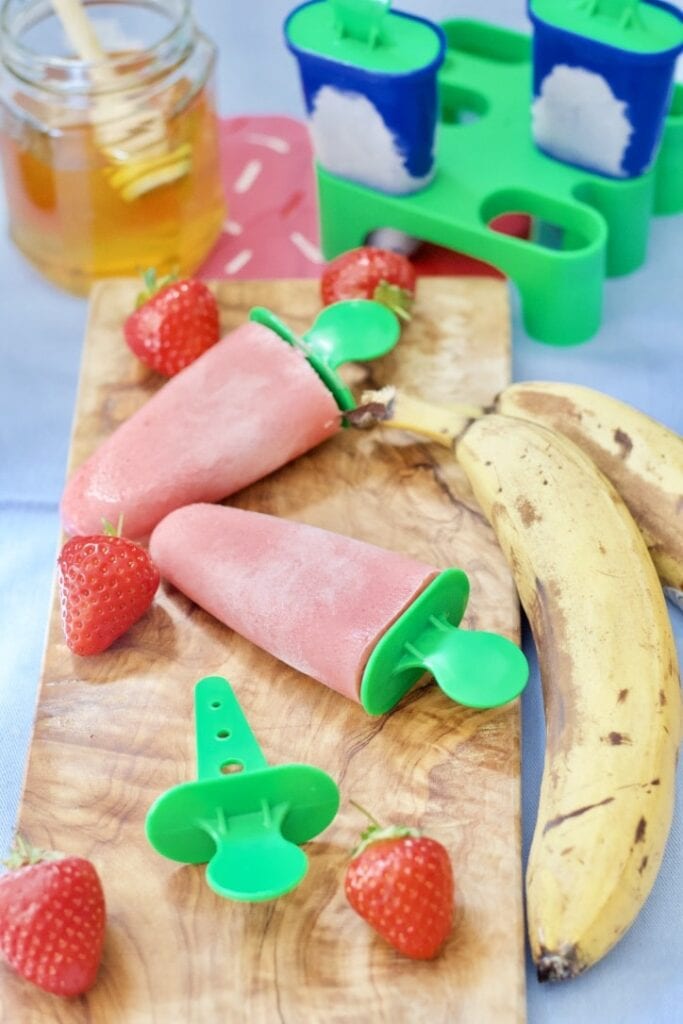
x,y
244,819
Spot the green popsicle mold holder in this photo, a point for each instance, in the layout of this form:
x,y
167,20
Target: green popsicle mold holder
x,y
472,667
488,165
242,818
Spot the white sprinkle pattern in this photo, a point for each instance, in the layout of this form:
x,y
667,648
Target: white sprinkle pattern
x,y
273,142
239,261
231,227
248,176
306,247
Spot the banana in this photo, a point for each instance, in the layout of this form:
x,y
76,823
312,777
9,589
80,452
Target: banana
x,y
608,668
642,458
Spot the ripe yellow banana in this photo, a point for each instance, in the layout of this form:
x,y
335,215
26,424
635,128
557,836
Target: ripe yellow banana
x,y
610,679
608,666
642,458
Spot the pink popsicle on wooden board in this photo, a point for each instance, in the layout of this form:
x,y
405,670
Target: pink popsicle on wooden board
x,y
364,621
250,404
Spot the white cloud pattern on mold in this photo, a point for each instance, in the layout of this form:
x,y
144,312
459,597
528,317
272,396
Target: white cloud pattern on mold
x,y
578,118
351,139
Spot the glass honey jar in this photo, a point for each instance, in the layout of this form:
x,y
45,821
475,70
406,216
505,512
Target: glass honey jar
x,y
111,164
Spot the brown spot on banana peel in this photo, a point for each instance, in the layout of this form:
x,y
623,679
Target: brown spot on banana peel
x,y
549,627
527,512
641,829
616,739
541,404
622,695
542,603
554,822
624,441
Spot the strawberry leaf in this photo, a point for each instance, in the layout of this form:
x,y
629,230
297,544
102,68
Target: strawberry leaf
x,y
398,300
152,285
22,854
109,530
374,831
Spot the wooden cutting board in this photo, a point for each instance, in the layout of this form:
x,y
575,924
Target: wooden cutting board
x,y
112,732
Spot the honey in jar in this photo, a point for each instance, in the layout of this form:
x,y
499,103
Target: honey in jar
x,y
109,166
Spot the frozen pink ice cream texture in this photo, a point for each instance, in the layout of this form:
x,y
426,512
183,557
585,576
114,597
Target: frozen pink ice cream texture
x,y
247,406
317,600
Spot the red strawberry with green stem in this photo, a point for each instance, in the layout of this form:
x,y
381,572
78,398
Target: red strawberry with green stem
x,y
371,273
173,324
401,883
52,920
106,583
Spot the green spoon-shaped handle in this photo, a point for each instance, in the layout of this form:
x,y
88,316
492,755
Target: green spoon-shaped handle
x,y
475,668
356,330
252,860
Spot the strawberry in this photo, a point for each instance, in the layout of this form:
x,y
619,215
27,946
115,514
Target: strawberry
x,y
371,273
401,883
52,920
106,583
173,324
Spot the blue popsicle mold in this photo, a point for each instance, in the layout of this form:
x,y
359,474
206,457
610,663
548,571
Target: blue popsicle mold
x,y
373,125
600,106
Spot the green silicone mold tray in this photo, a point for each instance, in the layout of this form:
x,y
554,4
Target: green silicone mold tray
x,y
585,227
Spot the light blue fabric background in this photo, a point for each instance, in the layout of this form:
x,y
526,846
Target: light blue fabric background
x,y
637,356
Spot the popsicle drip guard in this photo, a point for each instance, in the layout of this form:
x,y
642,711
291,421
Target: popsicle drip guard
x,y
488,165
244,818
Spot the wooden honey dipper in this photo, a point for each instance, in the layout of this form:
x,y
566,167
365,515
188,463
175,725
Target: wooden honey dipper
x,y
133,138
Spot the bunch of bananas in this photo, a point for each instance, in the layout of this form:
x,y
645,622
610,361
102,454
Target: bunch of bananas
x,y
585,495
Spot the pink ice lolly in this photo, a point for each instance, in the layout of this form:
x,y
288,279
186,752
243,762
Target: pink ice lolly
x,y
316,600
246,407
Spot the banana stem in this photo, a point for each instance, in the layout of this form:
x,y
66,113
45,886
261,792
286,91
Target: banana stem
x,y
392,408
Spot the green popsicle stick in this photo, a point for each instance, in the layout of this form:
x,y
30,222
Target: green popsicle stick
x,y
360,19
243,818
364,35
356,330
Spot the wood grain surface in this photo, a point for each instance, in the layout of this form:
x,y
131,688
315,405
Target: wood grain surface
x,y
114,731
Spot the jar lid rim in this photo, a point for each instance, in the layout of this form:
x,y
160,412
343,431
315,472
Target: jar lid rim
x,y
74,74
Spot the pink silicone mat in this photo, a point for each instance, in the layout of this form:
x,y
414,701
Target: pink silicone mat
x,y
271,229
